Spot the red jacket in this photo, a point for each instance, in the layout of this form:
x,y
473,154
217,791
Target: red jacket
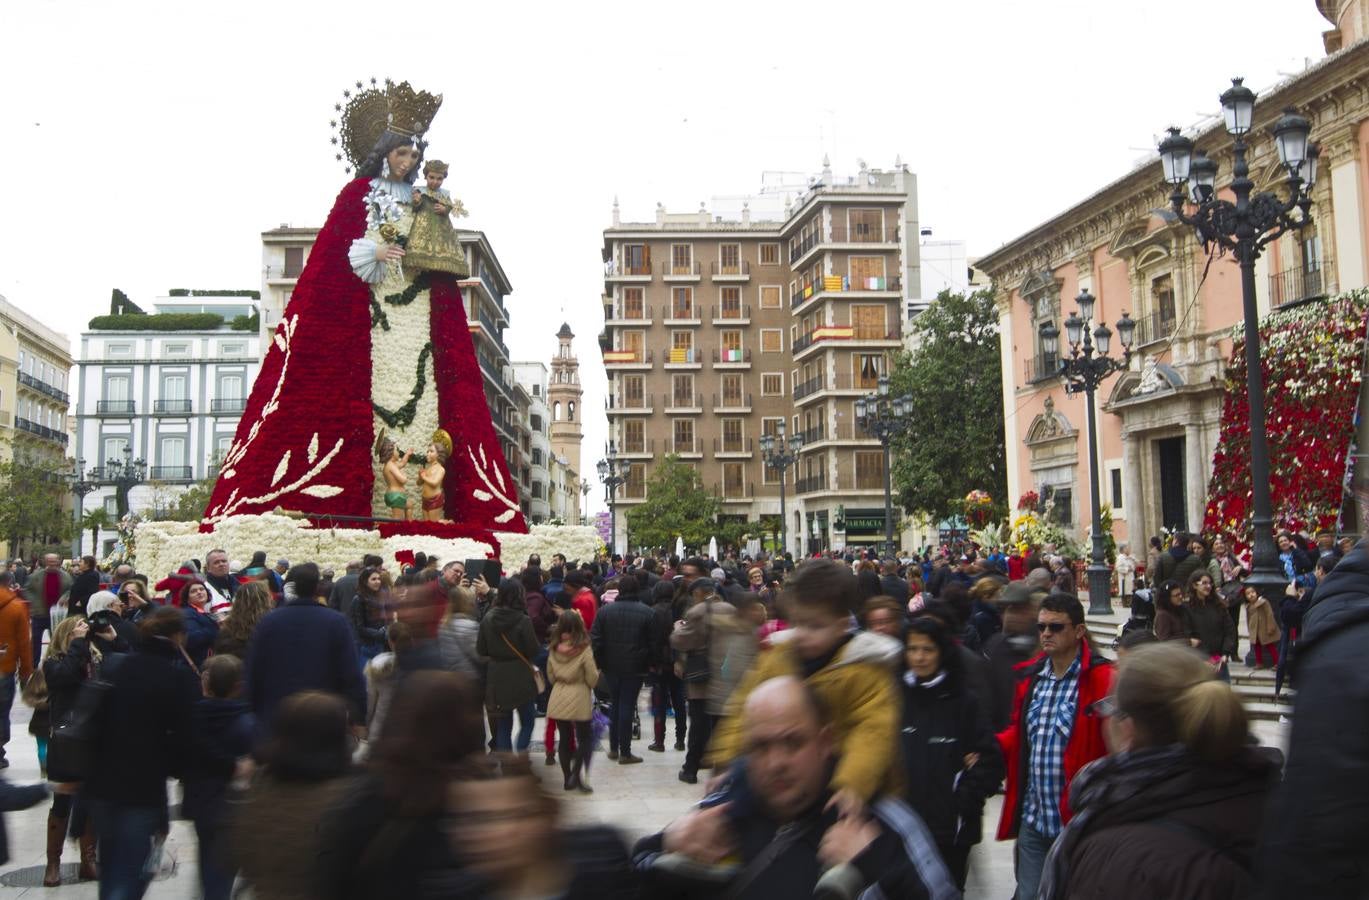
x,y
1017,567
585,604
1086,738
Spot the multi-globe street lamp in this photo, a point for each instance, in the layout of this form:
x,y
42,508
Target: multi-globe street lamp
x,y
1245,226
613,473
125,475
885,418
1087,365
780,455
81,485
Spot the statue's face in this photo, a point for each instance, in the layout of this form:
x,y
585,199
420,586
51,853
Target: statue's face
x,y
432,453
402,160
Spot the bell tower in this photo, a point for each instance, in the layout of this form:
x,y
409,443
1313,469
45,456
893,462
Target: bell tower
x,y
563,398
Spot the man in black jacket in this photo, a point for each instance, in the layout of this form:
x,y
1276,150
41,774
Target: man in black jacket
x,y
1318,826
622,642
891,584
775,814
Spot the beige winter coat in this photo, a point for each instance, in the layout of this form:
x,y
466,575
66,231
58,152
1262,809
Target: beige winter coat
x,y
1259,622
573,676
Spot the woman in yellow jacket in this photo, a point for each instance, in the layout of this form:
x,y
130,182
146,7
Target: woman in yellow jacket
x,y
573,675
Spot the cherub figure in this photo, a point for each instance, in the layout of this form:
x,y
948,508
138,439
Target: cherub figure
x,y
432,244
431,476
393,463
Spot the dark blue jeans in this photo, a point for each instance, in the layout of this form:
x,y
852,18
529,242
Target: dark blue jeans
x,y
125,833
625,691
503,728
216,872
668,691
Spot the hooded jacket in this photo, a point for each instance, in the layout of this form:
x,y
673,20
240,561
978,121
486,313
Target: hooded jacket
x,y
1318,824
1085,743
1260,624
16,653
859,689
1176,564
573,675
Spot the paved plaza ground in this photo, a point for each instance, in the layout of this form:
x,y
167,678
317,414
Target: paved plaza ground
x,y
638,799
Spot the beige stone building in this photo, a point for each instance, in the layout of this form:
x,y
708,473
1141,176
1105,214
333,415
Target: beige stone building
x,y
718,330
1159,420
35,364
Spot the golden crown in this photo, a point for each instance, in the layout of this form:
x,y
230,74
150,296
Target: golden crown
x,y
369,112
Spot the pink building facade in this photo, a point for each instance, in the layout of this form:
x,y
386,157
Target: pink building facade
x,y
1159,420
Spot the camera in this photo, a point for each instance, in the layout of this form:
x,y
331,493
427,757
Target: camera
x,y
102,620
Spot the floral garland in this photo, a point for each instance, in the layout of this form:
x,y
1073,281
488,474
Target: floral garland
x,y
1312,358
404,416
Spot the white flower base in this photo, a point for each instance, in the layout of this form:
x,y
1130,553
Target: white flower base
x,y
161,547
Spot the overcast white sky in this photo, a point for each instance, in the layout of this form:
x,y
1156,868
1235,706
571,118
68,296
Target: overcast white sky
x,y
149,144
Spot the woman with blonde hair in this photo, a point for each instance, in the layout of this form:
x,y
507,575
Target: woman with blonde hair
x,y
251,603
573,676
72,659
1176,810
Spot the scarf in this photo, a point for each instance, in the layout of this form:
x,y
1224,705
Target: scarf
x,y
1098,787
52,586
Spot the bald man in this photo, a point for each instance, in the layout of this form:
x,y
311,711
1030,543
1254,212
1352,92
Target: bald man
x,y
774,824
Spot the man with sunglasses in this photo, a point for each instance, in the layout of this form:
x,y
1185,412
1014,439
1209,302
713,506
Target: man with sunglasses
x,y
1056,730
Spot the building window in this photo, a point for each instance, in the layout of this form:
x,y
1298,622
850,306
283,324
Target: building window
x,y
866,369
634,396
111,510
176,350
682,345
734,479
730,259
114,351
771,296
634,306
634,436
772,384
116,386
867,273
770,254
233,348
294,261
732,389
731,341
869,469
112,449
682,303
1162,304
683,432
867,225
732,436
1115,487
682,390
682,259
537,456
731,302
636,259
174,385
171,454
535,422
772,340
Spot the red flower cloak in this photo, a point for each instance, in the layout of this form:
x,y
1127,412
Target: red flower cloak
x,y
305,441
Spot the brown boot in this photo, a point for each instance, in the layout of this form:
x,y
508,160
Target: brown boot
x,y
57,834
89,870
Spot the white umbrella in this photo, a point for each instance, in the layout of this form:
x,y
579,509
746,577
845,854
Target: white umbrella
x,y
679,546
713,548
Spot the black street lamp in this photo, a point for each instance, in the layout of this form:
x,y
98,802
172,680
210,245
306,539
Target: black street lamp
x,y
584,502
612,472
125,475
779,455
80,486
1084,370
1245,227
885,418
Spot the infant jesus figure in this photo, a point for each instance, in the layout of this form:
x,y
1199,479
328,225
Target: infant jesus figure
x,y
433,245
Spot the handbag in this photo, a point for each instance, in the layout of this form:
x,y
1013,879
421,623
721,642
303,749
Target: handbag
x,y
538,679
71,749
696,668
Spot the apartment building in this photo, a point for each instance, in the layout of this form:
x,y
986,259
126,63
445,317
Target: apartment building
x,y
721,330
34,364
171,394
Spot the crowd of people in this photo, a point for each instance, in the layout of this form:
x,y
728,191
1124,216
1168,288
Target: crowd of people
x,y
848,716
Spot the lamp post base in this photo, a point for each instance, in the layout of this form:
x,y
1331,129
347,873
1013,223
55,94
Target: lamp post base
x,y
1100,589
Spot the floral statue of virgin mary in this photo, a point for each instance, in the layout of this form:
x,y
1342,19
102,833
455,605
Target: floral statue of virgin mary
x,y
365,346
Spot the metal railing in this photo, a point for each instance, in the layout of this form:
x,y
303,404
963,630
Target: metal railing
x,y
1041,368
680,312
638,357
171,407
740,445
32,427
228,405
679,402
802,246
742,355
848,285
618,270
632,490
866,332
842,234
686,448
740,269
621,313
115,407
815,434
682,356
1155,327
727,402
637,448
689,270
733,312
641,404
1308,282
43,387
810,483
170,473
744,491
806,388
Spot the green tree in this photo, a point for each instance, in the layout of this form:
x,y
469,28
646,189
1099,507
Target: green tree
x,y
954,378
32,517
94,520
676,505
190,503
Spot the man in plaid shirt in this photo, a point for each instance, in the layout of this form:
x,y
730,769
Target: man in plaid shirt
x,y
1054,733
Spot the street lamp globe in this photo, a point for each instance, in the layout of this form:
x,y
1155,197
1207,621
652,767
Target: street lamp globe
x,y
1050,338
767,444
796,443
602,466
1126,330
1290,138
884,385
1074,329
1085,301
1202,178
1238,107
1308,170
1176,154
1102,338
861,408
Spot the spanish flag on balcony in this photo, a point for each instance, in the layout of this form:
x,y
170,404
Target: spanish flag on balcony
x,y
620,356
832,283
681,355
834,333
